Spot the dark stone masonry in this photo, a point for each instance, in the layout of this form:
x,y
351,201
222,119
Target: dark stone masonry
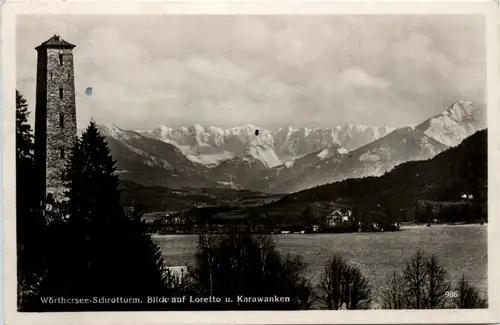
x,y
55,117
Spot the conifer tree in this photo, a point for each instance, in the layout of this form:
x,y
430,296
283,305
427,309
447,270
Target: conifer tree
x,y
99,250
24,134
29,220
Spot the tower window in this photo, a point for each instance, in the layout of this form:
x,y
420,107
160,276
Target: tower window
x,y
63,154
60,59
62,176
61,120
60,93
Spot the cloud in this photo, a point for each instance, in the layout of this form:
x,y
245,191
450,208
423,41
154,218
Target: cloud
x,y
356,77
265,70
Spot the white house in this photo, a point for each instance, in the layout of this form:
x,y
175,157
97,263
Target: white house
x,y
337,216
467,196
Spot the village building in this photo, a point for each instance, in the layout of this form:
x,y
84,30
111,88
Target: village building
x,y
466,196
338,216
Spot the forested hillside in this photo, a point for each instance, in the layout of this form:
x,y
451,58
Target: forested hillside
x,y
458,170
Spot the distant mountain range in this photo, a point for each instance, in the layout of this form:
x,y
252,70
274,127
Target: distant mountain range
x,y
421,142
152,162
284,160
209,145
373,159
446,177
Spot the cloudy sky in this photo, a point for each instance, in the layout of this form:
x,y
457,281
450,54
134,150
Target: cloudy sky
x,y
264,70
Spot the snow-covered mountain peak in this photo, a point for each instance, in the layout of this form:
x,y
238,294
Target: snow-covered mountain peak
x,y
459,111
115,132
245,129
264,154
111,128
342,151
330,152
198,141
452,126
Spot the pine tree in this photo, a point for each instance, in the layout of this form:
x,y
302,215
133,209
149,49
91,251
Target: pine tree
x,y
99,250
29,220
24,133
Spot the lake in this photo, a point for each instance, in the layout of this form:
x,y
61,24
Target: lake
x,y
460,248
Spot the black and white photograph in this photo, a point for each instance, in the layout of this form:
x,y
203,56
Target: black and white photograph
x,y
252,162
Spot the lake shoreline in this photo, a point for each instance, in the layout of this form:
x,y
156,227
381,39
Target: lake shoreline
x,y
460,248
403,227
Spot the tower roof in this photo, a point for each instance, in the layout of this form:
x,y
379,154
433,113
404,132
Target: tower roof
x,y
55,42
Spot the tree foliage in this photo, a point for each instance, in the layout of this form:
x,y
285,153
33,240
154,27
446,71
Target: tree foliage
x,y
437,284
415,277
97,249
343,286
243,265
30,224
468,296
24,133
393,295
424,283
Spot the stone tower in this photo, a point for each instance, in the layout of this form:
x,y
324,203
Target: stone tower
x,y
55,116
